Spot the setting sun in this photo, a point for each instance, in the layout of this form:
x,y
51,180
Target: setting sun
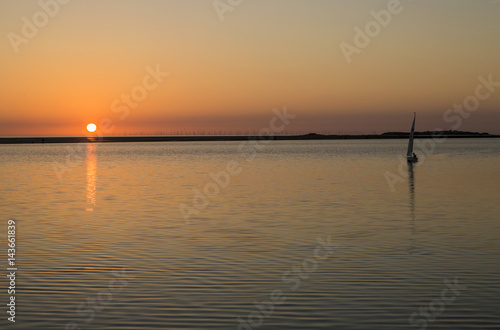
x,y
91,127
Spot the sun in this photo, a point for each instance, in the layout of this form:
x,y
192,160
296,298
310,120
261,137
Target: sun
x,y
91,127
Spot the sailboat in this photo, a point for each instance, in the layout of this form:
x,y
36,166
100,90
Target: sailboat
x,y
410,155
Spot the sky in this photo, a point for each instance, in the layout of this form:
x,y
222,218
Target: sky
x,y
205,66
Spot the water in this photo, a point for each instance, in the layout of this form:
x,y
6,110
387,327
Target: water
x,y
107,247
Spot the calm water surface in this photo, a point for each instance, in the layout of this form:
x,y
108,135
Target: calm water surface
x,y
105,245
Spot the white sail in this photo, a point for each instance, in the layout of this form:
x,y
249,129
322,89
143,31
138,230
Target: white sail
x,y
410,143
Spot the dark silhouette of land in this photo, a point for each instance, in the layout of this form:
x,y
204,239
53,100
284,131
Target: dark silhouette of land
x,y
185,138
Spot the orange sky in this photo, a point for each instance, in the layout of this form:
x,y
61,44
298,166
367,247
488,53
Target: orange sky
x,y
228,75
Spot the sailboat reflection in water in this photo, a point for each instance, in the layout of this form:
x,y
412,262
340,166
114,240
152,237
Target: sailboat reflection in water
x,y
411,185
91,176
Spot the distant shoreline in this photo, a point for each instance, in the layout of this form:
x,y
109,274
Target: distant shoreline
x,y
197,138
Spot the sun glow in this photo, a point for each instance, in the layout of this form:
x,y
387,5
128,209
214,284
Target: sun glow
x,y
91,127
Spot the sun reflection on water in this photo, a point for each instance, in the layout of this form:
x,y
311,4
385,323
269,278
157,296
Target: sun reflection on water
x,y
91,176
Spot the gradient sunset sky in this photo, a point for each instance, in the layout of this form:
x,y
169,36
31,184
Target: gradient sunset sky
x,y
229,74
